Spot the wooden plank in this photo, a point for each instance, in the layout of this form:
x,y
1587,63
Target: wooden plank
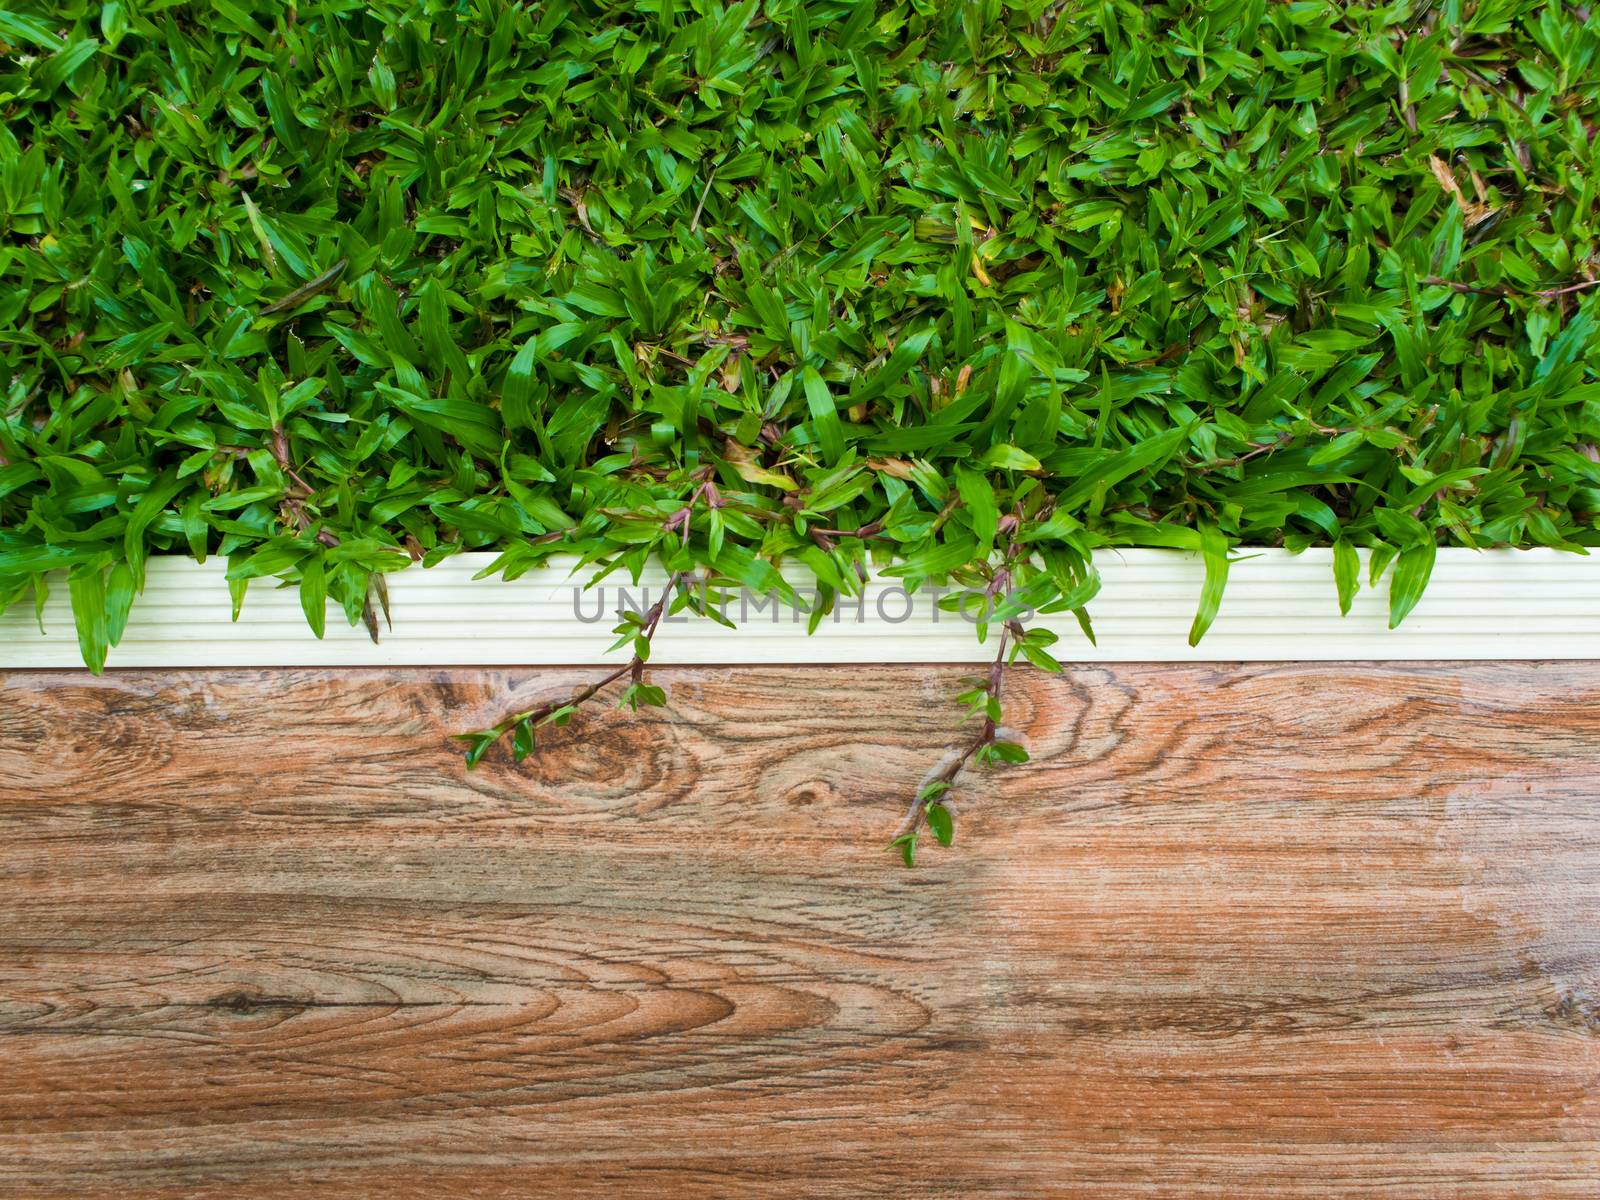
x,y
1288,931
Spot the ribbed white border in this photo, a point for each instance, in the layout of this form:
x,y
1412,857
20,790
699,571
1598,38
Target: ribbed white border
x,y
1278,606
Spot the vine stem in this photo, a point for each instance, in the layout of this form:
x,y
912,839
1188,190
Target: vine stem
x,y
1000,585
678,522
917,813
825,537
653,618
1512,293
634,666
577,698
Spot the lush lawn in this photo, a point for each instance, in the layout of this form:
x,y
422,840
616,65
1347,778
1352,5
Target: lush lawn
x,y
329,288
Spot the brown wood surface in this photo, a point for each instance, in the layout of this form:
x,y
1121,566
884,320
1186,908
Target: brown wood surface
x,y
1289,931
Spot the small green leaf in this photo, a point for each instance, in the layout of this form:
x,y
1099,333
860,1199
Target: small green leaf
x,y
560,716
978,495
642,695
156,497
941,822
1214,549
906,844
314,592
1008,752
478,743
120,590
824,414
522,739
1041,658
86,583
1346,573
1411,572
1010,458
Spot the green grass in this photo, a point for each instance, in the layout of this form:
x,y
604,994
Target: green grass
x,y
965,289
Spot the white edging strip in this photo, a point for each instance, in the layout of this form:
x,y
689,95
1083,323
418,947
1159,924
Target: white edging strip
x,y
1493,605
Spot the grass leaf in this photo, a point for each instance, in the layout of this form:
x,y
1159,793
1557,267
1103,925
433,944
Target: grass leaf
x,y
1214,550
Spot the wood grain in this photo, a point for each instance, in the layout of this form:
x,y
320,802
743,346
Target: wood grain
x,y
1286,931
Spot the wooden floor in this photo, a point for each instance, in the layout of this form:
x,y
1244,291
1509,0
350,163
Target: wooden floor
x,y
1310,931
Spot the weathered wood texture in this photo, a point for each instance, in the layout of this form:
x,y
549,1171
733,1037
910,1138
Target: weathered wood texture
x,y
1308,931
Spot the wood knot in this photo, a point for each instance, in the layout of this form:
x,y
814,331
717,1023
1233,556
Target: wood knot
x,y
242,1002
1577,1012
806,794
